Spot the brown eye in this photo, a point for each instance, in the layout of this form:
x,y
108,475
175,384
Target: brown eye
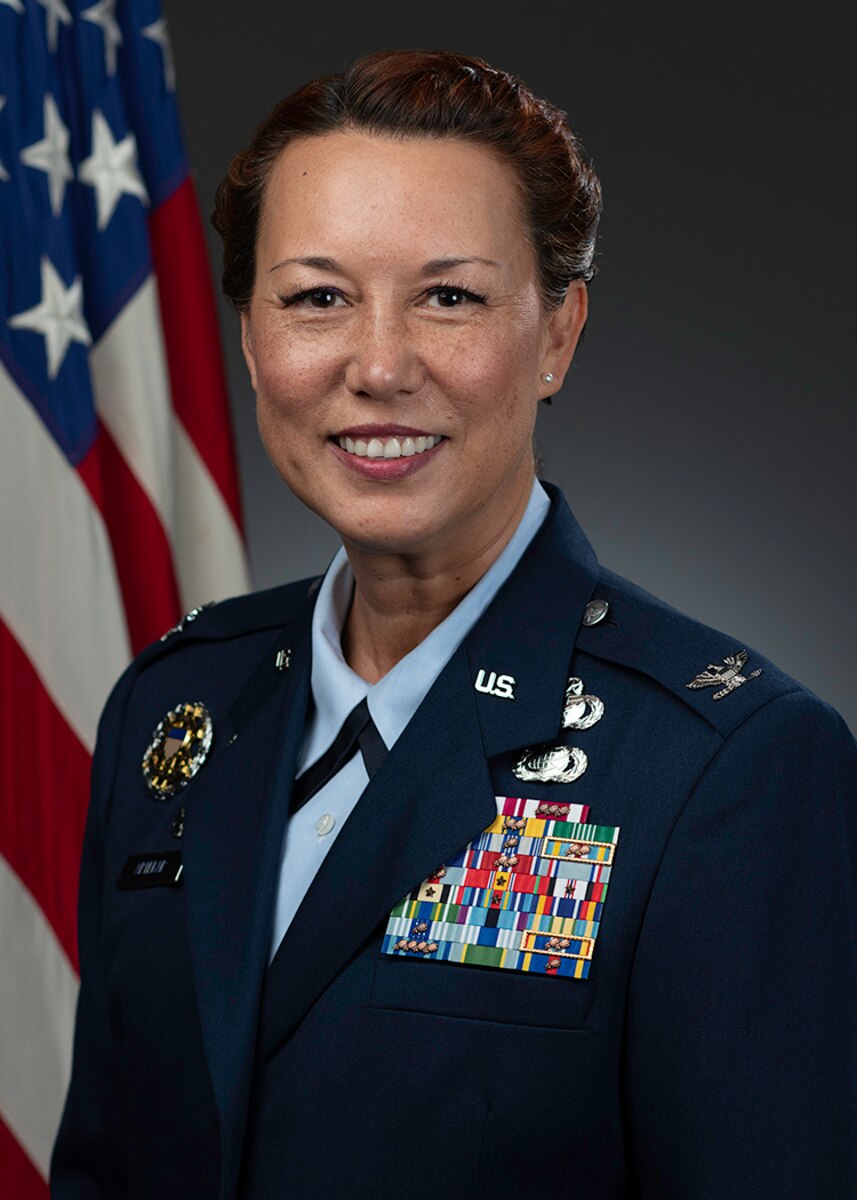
x,y
449,296
322,298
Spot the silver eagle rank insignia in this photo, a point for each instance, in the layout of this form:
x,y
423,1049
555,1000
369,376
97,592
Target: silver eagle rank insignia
x,y
186,620
728,675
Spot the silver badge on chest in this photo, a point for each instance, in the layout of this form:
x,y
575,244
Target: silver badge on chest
x,y
550,764
580,711
562,764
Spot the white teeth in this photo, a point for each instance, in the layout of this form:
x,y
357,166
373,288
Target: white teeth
x,y
390,447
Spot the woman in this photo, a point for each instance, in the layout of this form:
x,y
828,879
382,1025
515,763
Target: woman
x,y
347,931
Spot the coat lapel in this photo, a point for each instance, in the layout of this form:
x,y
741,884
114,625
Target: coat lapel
x,y
423,804
529,633
433,793
231,853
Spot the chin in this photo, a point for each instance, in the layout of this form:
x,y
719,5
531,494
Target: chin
x,y
384,537
372,521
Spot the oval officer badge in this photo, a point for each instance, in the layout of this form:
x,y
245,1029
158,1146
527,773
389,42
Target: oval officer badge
x,y
179,747
550,764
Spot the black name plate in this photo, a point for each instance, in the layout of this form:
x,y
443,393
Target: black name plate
x,y
152,870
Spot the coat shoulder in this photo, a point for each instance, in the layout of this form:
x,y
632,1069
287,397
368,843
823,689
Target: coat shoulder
x,y
251,613
236,617
243,624
720,677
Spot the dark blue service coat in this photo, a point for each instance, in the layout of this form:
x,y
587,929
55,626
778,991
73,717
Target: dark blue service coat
x,y
709,1055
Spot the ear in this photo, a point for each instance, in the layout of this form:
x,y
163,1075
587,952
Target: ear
x,y
563,332
247,348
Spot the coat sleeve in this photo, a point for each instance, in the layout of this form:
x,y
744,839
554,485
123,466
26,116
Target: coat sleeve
x,y
741,1055
89,1157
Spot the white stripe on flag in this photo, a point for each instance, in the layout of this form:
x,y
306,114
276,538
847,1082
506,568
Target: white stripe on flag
x,y
132,394
209,558
58,588
128,369
38,994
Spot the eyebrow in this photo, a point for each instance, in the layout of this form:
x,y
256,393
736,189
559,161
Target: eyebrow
x,y
435,267
439,265
320,263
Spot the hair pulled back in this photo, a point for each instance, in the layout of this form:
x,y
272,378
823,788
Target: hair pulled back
x,y
434,94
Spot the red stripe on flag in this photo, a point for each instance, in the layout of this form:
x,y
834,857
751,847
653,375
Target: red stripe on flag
x,y
141,551
19,1179
44,778
191,337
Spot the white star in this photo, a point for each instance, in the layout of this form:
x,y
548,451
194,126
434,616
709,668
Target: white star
x,y
51,154
103,14
57,317
157,32
111,169
4,174
15,4
56,11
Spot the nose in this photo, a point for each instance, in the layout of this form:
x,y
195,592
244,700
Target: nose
x,y
383,363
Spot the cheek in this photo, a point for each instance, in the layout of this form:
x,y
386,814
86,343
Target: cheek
x,y
292,362
279,417
277,437
493,381
288,371
289,384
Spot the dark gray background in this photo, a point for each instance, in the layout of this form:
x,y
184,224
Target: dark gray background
x,y
706,436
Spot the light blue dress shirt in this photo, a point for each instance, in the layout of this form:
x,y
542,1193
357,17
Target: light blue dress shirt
x,y
393,700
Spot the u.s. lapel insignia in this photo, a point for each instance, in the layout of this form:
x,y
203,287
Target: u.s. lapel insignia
x,y
492,684
526,895
727,677
178,749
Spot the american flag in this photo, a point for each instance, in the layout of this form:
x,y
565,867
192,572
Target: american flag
x,y
118,494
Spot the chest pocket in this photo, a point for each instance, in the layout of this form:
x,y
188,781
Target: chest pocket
x,y
480,993
506,931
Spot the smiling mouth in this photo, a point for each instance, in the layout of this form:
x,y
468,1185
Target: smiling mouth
x,y
391,447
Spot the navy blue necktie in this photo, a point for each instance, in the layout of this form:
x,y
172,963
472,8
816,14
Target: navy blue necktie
x,y
358,732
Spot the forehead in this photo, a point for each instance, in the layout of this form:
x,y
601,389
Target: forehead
x,y
421,196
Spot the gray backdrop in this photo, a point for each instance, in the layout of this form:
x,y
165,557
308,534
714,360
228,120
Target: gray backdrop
x,y
706,435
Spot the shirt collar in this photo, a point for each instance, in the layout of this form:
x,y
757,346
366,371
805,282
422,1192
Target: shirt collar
x,y
394,699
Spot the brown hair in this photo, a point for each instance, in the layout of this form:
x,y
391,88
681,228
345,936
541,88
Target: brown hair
x,y
419,93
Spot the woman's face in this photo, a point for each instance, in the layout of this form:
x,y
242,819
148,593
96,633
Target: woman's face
x,y
396,340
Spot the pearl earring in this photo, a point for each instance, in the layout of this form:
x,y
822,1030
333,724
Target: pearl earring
x,y
548,378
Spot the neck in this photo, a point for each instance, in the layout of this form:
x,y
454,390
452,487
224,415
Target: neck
x,y
399,599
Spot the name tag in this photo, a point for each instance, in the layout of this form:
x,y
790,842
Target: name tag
x,y
151,870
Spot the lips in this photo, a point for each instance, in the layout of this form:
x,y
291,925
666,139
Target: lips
x,y
385,453
389,447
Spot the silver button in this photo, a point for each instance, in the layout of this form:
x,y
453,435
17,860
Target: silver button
x,y
595,611
324,824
